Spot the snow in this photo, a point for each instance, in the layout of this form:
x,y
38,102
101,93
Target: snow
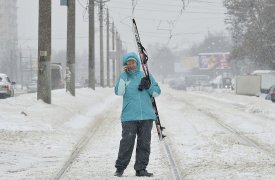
x,y
37,139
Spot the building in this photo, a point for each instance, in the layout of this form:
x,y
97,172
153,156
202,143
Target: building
x,y
8,38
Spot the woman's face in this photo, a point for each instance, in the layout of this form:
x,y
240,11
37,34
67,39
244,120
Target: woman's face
x,y
131,64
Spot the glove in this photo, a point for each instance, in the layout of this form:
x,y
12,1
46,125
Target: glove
x,y
144,83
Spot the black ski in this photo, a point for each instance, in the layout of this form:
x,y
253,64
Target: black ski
x,y
144,58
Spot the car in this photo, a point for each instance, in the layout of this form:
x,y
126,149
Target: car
x,y
227,83
178,84
271,94
6,86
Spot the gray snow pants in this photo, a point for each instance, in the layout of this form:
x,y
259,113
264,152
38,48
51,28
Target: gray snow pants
x,y
129,131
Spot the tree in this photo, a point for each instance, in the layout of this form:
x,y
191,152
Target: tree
x,y
252,26
213,42
161,60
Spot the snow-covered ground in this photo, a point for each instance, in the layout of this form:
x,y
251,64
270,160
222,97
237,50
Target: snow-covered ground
x,y
213,134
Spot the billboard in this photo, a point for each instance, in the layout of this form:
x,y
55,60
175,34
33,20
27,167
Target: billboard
x,y
214,60
186,64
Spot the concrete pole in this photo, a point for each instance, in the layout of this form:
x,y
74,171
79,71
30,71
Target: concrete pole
x,y
12,66
108,50
118,62
44,51
31,66
113,48
16,66
70,69
101,44
91,45
21,69
120,53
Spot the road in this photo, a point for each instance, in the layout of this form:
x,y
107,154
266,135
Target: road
x,y
218,139
210,135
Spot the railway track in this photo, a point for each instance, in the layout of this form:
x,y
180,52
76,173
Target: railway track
x,y
250,141
174,167
175,170
82,143
96,129
240,134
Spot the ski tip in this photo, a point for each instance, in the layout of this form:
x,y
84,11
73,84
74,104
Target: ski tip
x,y
134,21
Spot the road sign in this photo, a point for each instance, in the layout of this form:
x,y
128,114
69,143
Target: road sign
x,y
63,2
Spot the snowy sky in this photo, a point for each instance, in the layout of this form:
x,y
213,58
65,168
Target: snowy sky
x,y
155,20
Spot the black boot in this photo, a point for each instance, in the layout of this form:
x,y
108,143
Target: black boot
x,y
143,172
118,172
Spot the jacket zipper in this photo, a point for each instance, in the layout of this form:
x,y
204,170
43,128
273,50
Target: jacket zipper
x,y
140,108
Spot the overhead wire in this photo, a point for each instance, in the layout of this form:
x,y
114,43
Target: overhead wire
x,y
167,24
170,11
145,18
85,10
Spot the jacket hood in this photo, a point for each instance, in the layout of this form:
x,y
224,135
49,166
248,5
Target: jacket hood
x,y
131,56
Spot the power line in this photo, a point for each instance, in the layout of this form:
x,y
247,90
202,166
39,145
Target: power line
x,y
170,11
145,18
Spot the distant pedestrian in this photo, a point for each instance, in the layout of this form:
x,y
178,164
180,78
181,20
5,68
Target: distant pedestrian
x,y
137,115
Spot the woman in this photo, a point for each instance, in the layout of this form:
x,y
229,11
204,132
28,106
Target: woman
x,y
137,115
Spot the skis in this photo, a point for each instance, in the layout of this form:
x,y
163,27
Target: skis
x,y
144,58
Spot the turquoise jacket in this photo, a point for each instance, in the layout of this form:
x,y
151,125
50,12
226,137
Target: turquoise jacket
x,y
137,104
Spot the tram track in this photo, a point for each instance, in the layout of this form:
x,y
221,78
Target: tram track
x,y
174,169
82,143
99,126
238,133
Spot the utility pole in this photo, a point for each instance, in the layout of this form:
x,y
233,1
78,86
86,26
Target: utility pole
x,y
31,66
91,77
70,69
120,51
101,43
16,66
118,66
113,48
21,69
13,65
44,52
108,50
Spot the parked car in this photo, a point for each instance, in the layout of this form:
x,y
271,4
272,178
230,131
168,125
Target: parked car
x,y
6,86
178,84
227,83
271,94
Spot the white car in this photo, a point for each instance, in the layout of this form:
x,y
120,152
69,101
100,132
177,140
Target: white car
x,y
6,86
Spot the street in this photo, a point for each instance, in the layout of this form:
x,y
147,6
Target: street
x,y
211,134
